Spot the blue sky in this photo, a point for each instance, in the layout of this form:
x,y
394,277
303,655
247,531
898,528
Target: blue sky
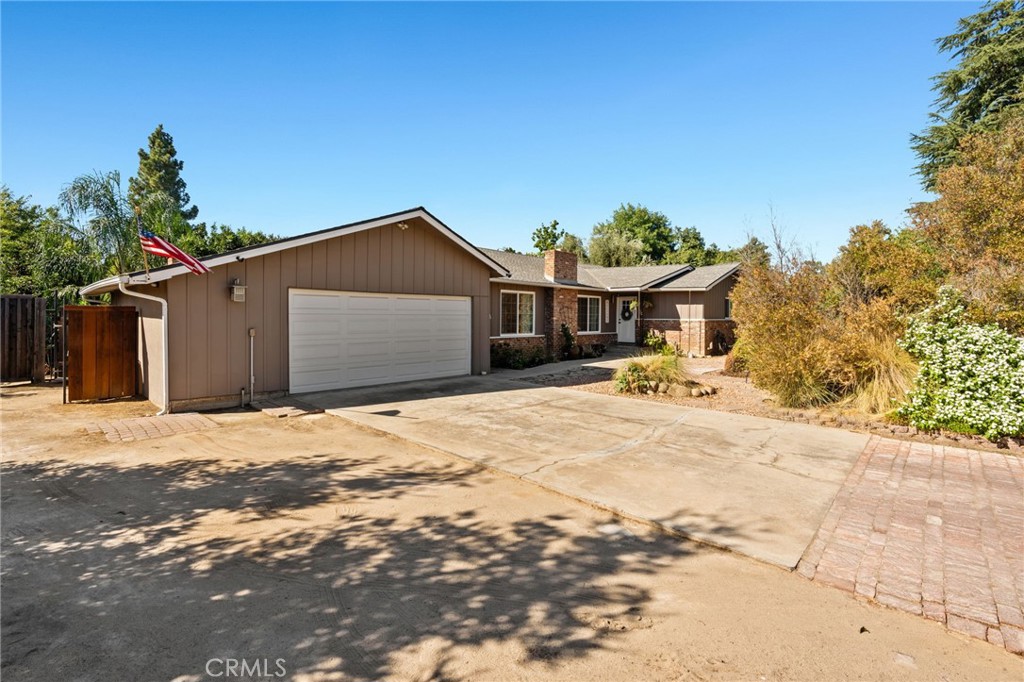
x,y
496,117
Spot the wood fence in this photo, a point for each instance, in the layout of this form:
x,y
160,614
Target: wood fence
x,y
23,346
102,351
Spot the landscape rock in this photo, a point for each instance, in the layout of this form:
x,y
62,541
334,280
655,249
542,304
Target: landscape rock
x,y
695,392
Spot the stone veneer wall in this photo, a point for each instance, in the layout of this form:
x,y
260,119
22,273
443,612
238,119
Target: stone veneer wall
x,y
692,336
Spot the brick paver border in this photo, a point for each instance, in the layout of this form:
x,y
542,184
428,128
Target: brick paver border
x,y
936,531
144,428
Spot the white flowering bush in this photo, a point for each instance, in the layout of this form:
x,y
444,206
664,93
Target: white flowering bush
x,y
970,377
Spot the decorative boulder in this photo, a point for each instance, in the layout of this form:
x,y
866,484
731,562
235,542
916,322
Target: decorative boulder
x,y
662,387
696,392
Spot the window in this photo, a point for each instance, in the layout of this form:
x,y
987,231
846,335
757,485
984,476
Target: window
x,y
728,308
588,314
516,313
608,311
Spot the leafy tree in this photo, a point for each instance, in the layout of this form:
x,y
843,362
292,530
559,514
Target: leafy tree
x,y
690,248
222,238
106,220
977,94
610,248
976,226
42,251
546,237
19,220
160,173
879,263
613,240
754,252
574,244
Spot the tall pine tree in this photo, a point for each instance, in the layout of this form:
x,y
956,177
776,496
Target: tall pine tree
x,y
981,91
160,172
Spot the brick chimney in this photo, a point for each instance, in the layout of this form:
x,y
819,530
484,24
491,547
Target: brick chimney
x,y
560,265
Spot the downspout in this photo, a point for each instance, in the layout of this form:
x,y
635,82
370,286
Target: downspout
x,y
689,318
163,319
640,318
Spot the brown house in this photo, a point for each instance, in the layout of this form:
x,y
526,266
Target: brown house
x,y
395,298
687,306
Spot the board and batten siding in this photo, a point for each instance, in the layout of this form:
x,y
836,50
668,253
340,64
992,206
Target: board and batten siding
x,y
675,305
209,334
690,305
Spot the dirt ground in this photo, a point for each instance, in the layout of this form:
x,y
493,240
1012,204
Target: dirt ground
x,y
738,394
351,556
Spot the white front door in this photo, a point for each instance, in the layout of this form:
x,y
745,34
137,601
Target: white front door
x,y
625,316
340,339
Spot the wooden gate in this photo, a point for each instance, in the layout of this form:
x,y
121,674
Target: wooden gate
x,y
102,344
23,347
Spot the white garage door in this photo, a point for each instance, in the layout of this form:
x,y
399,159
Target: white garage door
x,y
344,339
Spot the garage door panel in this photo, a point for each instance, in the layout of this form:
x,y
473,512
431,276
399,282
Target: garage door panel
x,y
342,339
313,352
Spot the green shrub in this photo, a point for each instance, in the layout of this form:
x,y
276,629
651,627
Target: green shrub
x,y
656,342
646,371
568,341
504,355
971,377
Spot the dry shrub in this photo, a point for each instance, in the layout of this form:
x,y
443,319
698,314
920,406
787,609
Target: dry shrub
x,y
735,366
867,368
809,350
641,372
780,316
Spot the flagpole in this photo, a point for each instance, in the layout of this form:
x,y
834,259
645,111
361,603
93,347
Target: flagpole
x,y
138,220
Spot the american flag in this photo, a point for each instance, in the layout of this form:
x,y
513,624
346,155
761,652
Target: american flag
x,y
159,246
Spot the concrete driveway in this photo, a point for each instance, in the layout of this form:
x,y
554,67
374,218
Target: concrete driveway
x,y
757,486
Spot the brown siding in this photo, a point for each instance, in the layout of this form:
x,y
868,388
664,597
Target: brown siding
x,y
151,341
714,299
675,305
209,341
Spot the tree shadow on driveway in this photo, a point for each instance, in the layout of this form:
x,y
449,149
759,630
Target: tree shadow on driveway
x,y
353,567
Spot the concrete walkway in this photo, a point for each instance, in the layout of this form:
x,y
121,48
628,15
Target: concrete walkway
x,y
932,530
757,486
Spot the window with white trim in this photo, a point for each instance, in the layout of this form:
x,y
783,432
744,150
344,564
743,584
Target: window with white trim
x,y
608,311
588,314
517,313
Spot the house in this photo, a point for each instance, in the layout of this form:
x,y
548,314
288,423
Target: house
x,y
395,298
688,306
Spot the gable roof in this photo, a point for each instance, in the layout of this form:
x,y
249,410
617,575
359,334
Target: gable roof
x,y
169,271
529,269
634,276
702,278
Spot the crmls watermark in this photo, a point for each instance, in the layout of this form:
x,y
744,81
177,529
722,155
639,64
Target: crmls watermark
x,y
243,667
